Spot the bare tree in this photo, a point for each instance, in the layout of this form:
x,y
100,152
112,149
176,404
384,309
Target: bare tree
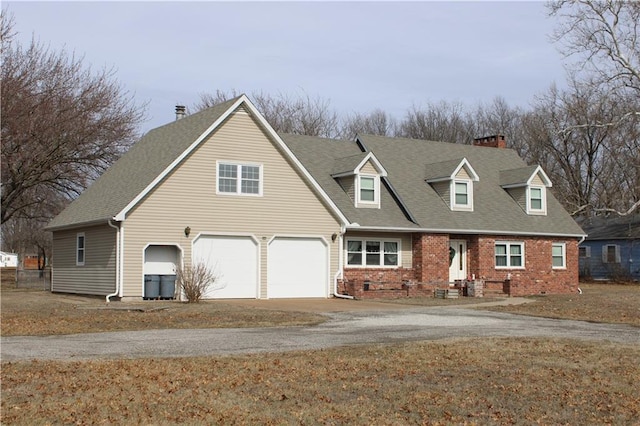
x,y
62,125
303,115
443,121
603,37
377,122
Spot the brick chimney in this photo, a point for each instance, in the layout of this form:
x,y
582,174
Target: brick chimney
x,y
495,141
181,112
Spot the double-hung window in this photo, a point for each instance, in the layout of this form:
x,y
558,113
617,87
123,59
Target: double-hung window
x,y
462,195
368,189
239,179
509,254
536,200
558,256
80,249
373,253
611,253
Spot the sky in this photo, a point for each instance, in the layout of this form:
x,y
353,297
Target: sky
x,y
358,56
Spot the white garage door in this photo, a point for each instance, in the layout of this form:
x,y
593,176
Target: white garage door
x,y
235,262
297,267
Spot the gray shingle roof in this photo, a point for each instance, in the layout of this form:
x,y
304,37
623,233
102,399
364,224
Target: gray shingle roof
x,y
140,166
612,228
406,161
347,164
441,170
515,177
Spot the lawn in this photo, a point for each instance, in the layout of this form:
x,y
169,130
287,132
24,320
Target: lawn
x,y
457,381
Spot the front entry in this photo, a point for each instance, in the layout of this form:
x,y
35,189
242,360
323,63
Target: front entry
x,y
457,260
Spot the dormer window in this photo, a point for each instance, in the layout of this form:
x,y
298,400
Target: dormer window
x,y
453,181
359,175
462,195
536,200
528,187
368,189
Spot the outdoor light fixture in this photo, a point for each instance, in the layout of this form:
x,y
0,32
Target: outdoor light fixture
x,y
334,236
187,231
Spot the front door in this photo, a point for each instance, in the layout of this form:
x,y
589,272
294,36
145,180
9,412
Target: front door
x,y
457,260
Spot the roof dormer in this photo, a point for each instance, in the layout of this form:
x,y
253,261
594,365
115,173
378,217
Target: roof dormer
x,y
359,175
528,187
453,181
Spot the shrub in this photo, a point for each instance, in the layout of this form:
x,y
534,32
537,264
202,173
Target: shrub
x,y
194,280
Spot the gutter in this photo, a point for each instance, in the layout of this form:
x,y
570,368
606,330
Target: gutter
x,y
118,266
339,273
356,227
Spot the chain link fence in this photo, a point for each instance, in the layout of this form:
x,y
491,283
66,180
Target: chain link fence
x,y
34,279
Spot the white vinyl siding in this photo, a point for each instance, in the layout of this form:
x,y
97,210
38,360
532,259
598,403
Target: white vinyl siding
x,y
559,255
509,254
373,253
187,198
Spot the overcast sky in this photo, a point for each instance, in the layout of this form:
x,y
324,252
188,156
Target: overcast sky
x,y
359,56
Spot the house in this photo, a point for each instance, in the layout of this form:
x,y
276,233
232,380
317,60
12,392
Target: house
x,y
8,260
288,216
611,250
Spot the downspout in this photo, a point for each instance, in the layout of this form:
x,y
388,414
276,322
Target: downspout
x,y
115,293
584,237
340,268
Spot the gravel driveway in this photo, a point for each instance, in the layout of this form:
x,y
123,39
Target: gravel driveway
x,y
342,329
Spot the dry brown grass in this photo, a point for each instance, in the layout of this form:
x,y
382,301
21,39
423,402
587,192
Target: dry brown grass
x,y
471,381
608,303
33,312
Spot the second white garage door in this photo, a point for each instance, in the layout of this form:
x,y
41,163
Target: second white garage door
x,y
235,261
297,267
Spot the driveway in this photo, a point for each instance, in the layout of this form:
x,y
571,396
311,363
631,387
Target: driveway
x,y
370,323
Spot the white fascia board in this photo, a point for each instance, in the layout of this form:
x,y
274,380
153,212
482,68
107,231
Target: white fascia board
x,y
465,163
370,156
356,227
293,158
545,178
123,213
241,100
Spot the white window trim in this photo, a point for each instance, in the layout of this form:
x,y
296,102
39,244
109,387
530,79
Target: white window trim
x,y
508,254
364,265
564,255
239,178
83,249
462,207
376,191
543,192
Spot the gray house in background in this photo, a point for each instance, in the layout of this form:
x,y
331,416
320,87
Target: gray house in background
x,y
612,249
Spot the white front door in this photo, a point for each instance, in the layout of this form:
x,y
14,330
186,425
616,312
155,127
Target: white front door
x,y
457,260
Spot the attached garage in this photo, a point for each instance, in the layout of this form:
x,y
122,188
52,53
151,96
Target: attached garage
x,y
234,260
297,267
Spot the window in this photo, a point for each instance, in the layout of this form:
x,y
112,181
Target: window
x,y
584,251
80,249
239,179
374,253
509,255
368,190
611,253
558,255
462,195
536,200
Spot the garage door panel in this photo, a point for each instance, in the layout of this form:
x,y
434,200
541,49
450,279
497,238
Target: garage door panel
x,y
234,261
297,267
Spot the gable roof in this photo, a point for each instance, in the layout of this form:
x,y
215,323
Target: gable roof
x,y
447,170
409,196
151,159
522,176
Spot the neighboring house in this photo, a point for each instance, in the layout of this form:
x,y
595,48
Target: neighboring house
x,y
612,248
295,216
8,260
